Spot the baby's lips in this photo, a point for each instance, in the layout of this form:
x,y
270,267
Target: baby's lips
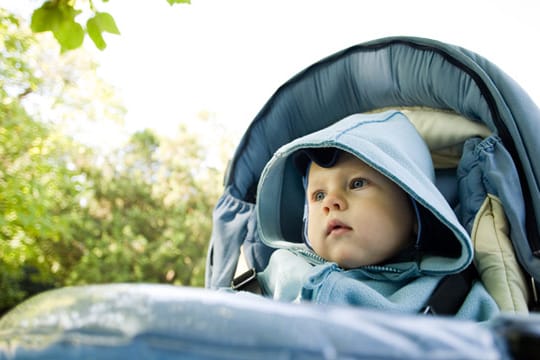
x,y
335,224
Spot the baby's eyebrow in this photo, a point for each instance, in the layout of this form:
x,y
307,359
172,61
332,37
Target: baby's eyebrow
x,y
314,186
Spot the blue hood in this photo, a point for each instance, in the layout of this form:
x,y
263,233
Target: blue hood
x,y
389,143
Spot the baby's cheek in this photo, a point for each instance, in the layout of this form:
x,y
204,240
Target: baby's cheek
x,y
316,242
313,226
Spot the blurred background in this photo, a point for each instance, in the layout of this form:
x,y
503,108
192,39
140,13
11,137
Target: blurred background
x,y
111,160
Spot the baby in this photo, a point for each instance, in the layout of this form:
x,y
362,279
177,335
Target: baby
x,y
375,230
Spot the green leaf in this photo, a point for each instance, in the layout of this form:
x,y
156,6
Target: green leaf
x,y
172,2
105,22
70,34
95,26
60,19
46,18
95,34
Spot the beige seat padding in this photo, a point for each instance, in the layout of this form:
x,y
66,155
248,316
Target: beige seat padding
x,y
495,258
445,133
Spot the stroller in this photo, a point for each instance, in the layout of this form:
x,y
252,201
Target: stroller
x,y
454,97
451,95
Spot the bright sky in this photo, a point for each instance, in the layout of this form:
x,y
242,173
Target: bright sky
x,y
228,57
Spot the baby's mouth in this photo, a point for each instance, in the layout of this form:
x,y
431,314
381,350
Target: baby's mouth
x,y
337,227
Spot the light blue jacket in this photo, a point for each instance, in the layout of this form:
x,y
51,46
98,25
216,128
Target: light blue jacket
x,y
390,144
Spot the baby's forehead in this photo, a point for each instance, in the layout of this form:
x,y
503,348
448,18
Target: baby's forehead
x,y
346,157
345,162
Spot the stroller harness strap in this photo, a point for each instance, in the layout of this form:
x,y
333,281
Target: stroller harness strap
x,y
451,292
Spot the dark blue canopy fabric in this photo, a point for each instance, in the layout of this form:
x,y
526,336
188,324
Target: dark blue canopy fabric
x,y
389,72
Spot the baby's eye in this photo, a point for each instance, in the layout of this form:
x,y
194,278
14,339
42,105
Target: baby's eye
x,y
358,183
318,196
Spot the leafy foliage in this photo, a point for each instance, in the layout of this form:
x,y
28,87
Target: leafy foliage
x,y
147,216
71,214
37,197
59,17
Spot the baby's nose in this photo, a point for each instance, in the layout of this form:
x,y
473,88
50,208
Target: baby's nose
x,y
334,201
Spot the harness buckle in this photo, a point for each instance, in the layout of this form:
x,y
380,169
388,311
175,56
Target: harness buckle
x,y
247,281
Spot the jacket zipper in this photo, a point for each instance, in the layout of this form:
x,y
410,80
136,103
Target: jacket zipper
x,y
318,260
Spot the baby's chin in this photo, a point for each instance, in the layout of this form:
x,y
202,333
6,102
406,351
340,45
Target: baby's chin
x,y
348,258
345,255
346,262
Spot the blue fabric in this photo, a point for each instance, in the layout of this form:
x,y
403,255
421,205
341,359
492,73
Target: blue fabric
x,y
233,223
332,285
487,168
144,321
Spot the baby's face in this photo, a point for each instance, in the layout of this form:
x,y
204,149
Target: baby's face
x,y
357,216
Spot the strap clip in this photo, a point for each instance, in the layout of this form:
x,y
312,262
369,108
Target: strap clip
x,y
247,281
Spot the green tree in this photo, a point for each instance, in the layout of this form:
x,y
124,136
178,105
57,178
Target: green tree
x,y
36,191
148,213
28,172
70,214
39,183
